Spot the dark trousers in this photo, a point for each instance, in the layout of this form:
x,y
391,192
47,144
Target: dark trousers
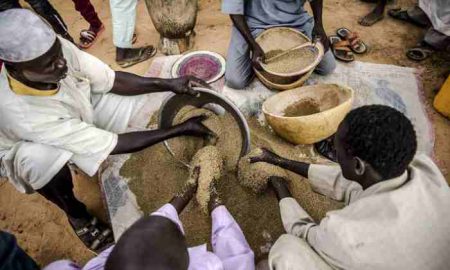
x,y
45,10
12,257
87,10
60,192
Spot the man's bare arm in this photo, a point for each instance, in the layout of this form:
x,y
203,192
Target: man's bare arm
x,y
128,84
257,53
136,141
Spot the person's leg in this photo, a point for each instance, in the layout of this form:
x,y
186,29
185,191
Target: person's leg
x,y
60,192
377,14
8,4
123,14
239,71
43,168
12,257
327,65
88,12
437,40
49,13
290,252
96,235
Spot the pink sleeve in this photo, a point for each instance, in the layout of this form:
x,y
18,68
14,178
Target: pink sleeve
x,y
96,263
228,242
168,211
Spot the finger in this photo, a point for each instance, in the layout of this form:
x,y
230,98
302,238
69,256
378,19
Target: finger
x,y
188,90
196,82
254,159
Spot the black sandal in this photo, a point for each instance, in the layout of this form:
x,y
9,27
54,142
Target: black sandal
x,y
420,52
95,235
326,148
145,53
402,15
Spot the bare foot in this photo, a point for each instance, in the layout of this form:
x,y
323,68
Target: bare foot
x,y
372,18
376,15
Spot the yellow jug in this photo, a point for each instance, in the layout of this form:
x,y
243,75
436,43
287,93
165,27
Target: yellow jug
x,y
442,99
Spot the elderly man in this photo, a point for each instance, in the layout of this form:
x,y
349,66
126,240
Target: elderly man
x,y
252,17
59,105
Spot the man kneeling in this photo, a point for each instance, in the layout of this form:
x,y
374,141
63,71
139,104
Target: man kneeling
x,y
60,105
397,213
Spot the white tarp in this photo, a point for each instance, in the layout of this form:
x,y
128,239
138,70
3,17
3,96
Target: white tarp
x,y
373,84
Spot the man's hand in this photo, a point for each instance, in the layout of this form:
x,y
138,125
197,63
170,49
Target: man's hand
x,y
266,156
195,127
184,85
258,56
319,35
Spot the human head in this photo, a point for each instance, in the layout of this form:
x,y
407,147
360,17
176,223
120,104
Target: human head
x,y
374,143
153,242
29,48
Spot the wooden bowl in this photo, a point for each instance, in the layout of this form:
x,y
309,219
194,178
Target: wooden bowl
x,y
269,40
331,102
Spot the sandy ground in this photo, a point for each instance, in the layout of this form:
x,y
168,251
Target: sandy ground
x,y
42,230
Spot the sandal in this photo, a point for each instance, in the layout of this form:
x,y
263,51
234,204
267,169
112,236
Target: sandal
x,y
89,37
356,44
402,15
420,52
340,49
326,148
144,54
94,234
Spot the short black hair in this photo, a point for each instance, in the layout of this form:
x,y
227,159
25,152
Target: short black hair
x,y
153,242
381,136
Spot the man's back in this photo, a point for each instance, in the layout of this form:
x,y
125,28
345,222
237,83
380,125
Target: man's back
x,y
402,223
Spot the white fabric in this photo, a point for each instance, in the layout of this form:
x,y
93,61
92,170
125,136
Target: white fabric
x,y
24,35
77,124
438,11
293,253
123,14
402,223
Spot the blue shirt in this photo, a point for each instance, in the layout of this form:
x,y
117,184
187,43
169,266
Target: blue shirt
x,y
262,14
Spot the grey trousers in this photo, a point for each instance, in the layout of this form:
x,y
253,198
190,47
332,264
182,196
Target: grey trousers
x,y
239,71
432,37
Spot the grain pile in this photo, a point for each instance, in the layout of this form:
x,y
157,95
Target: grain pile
x,y
291,62
209,162
224,126
155,176
256,175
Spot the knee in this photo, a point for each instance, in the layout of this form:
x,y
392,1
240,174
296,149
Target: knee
x,y
327,65
237,81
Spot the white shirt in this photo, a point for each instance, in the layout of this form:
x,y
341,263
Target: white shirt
x,y
402,223
64,120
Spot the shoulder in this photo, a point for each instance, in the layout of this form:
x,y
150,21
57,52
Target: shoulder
x,y
424,169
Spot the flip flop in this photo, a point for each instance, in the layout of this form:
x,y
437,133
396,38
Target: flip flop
x,y
420,52
88,37
356,44
340,49
326,148
95,235
145,53
402,15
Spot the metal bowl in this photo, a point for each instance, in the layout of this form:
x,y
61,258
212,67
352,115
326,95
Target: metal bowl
x,y
172,105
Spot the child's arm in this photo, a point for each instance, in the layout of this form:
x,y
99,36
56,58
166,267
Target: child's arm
x,y
324,179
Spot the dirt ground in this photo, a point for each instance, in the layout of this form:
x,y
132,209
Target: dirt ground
x,y
42,230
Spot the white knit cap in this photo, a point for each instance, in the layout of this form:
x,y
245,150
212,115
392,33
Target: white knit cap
x,y
24,36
